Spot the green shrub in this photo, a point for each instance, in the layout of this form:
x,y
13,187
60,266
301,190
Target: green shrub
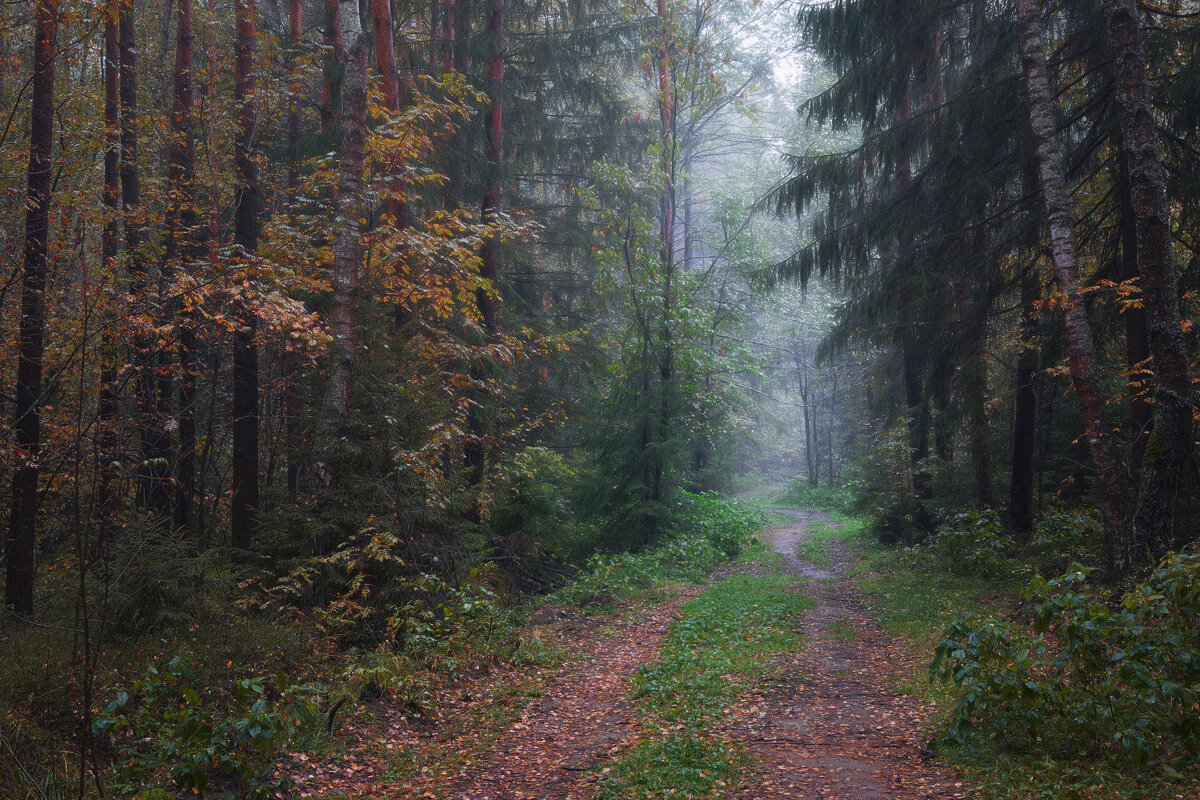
x,y
721,520
973,543
149,577
1063,536
172,739
1088,677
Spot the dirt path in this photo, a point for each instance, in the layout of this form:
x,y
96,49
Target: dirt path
x,y
582,719
833,727
829,727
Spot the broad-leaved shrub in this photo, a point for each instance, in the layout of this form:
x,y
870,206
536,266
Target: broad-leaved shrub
x,y
1089,676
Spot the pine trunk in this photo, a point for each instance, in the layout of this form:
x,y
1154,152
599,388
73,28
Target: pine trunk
x,y
331,85
981,448
292,399
1137,334
1085,374
27,418
809,434
347,248
492,258
392,90
1169,444
667,119
153,478
244,500
918,423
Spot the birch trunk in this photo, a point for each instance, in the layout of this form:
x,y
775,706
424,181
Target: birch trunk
x,y
1085,374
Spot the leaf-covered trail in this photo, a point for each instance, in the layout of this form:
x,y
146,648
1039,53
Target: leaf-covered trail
x,y
581,720
832,727
829,726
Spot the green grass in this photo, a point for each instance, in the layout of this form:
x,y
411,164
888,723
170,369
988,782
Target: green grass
x,y
723,644
815,548
798,494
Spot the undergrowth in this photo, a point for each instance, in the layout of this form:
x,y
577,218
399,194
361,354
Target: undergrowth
x,y
709,530
1056,695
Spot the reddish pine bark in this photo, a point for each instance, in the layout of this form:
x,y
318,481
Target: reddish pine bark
x,y
448,18
1085,373
27,419
392,90
1169,444
347,247
245,499
331,86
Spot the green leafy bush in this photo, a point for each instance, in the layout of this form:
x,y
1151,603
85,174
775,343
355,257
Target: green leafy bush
x,y
1063,536
172,739
1088,677
973,543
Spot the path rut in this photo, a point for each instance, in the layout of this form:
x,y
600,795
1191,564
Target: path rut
x,y
833,727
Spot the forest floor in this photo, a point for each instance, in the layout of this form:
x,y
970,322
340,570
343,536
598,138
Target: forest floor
x,y
823,721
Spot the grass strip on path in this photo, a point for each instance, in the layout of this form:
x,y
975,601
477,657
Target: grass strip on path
x,y
722,645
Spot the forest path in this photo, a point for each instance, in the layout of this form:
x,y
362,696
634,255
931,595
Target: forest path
x,y
827,725
582,719
832,726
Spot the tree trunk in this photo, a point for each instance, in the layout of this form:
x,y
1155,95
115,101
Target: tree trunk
x,y
492,258
110,245
1137,338
981,448
392,90
180,251
332,69
1169,444
244,500
1020,496
666,115
347,248
918,423
153,477
1085,373
27,418
809,433
292,398
487,299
